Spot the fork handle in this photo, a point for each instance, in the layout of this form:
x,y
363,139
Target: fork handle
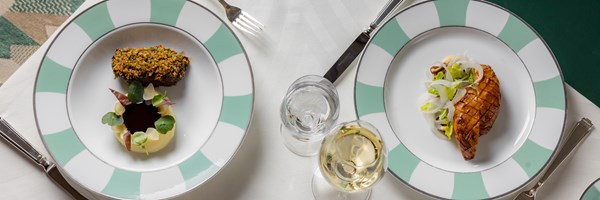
x,y
225,4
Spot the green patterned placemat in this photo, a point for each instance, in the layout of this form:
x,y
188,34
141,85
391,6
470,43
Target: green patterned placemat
x,y
25,25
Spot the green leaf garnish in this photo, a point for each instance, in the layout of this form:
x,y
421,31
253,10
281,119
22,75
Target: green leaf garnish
x,y
164,124
439,76
449,130
159,98
112,119
135,92
444,114
451,91
456,71
139,139
426,106
471,78
433,91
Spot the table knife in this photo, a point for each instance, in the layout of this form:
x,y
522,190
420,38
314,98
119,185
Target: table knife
x,y
10,135
359,43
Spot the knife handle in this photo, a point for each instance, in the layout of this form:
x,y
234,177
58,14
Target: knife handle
x,y
347,57
389,6
579,132
10,135
14,138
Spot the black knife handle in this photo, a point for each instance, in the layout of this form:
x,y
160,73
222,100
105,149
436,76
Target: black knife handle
x,y
60,180
347,57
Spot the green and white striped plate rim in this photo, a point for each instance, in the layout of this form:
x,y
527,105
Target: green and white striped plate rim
x,y
592,192
86,169
541,143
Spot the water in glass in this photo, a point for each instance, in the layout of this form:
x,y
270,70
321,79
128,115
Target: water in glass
x,y
308,110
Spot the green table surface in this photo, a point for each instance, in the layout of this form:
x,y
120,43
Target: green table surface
x,y
571,30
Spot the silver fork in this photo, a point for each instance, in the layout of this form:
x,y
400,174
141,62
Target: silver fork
x,y
582,129
241,19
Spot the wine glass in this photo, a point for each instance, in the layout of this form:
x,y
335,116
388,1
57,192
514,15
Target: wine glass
x,y
352,159
308,110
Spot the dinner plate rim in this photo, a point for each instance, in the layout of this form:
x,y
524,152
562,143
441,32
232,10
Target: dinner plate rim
x,y
410,39
589,187
248,119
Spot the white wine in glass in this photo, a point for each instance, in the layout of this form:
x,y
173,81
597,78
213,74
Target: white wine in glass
x,y
352,159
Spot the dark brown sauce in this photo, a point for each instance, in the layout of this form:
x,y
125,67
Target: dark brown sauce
x,y
139,117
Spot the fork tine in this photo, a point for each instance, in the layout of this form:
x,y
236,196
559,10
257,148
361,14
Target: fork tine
x,y
243,28
245,20
241,20
253,20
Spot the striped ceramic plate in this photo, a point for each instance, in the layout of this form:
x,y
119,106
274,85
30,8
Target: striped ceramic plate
x,y
592,192
530,122
213,102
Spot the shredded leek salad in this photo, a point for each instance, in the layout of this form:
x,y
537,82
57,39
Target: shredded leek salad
x,y
446,84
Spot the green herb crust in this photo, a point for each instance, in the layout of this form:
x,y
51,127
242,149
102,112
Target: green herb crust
x,y
157,65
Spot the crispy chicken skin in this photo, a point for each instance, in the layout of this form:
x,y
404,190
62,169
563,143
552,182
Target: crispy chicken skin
x,y
476,112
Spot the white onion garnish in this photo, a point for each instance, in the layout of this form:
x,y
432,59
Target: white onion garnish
x,y
441,90
460,93
450,115
149,92
152,134
479,70
433,101
119,109
441,101
441,82
430,118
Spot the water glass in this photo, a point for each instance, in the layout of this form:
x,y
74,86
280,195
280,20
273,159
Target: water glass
x,y
309,108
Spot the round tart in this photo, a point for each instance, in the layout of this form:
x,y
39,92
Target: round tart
x,y
142,120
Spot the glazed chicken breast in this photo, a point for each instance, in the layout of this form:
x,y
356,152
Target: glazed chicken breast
x,y
476,112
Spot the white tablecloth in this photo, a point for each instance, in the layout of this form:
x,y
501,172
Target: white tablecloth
x,y
302,37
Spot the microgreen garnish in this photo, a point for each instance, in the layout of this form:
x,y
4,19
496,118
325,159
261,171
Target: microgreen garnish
x,y
439,76
164,124
139,139
470,77
112,119
135,92
158,99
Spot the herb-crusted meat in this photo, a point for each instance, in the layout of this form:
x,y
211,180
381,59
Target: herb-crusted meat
x,y
157,65
476,112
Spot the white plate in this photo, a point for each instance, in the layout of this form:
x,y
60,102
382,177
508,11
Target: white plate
x,y
532,113
592,192
213,106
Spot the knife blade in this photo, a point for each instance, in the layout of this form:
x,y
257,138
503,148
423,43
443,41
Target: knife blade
x,y
14,138
347,57
359,43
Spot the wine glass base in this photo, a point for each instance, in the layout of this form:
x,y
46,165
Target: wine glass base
x,y
301,148
323,190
